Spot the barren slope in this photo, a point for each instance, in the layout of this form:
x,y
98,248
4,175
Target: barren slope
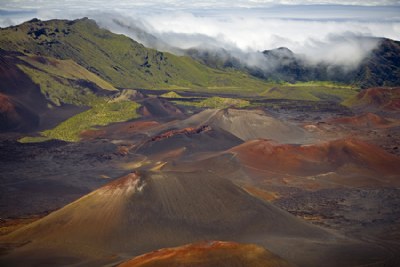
x,y
342,162
244,124
376,99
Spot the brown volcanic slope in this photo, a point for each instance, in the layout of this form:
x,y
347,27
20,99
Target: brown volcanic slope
x,y
16,117
244,124
190,141
342,162
141,213
366,120
158,108
209,254
46,89
207,131
21,100
252,124
373,99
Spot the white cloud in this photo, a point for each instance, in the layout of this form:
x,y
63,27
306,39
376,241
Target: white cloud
x,y
305,26
330,41
184,3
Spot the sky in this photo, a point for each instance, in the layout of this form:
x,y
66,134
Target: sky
x,y
319,29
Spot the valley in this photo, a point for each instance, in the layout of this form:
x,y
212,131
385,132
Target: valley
x,y
114,154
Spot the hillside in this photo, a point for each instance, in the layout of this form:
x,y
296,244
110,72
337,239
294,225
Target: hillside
x,y
115,58
39,92
382,67
376,99
335,163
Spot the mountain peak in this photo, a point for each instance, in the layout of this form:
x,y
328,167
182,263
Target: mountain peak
x,y
130,183
279,52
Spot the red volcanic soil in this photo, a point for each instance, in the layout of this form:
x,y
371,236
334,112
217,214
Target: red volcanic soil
x,y
384,98
366,120
26,108
204,254
186,131
353,156
14,116
6,107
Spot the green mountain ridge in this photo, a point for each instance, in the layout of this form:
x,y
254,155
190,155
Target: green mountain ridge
x,y
116,58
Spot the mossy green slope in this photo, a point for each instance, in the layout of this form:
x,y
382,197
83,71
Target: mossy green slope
x,y
64,81
116,58
217,102
102,112
99,115
312,91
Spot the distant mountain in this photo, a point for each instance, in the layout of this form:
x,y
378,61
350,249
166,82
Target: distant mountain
x,y
380,68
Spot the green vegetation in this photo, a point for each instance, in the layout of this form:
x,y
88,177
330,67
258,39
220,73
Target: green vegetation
x,y
355,101
66,69
33,139
171,94
313,91
217,102
326,84
102,114
63,81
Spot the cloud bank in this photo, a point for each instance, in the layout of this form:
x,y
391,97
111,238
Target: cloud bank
x,y
184,4
321,30
244,33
